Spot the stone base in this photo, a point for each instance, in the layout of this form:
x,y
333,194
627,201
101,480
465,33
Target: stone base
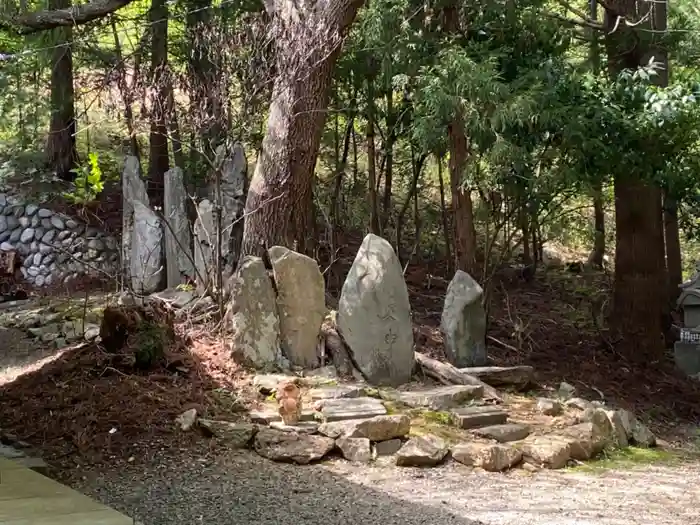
x,y
687,357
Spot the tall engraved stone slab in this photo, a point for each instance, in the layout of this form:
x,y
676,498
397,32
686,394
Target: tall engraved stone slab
x,y
178,239
234,190
133,190
374,315
204,244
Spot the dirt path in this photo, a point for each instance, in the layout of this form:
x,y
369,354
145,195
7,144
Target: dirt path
x,y
244,489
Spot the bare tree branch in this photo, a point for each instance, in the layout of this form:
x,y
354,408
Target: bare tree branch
x,y
49,19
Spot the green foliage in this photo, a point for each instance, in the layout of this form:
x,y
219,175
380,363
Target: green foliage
x,y
89,182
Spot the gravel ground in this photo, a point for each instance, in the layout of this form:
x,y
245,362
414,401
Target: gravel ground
x,y
242,488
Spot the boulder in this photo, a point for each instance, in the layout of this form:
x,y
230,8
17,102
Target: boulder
x,y
252,316
235,435
463,323
518,377
187,419
301,304
290,447
442,397
355,449
587,440
549,407
551,452
620,438
147,272
488,456
578,403
387,448
378,428
422,451
374,315
637,433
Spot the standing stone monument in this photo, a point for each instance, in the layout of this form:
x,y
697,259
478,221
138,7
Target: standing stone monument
x,y
204,243
147,271
301,303
252,316
234,190
178,251
133,190
374,315
463,323
686,352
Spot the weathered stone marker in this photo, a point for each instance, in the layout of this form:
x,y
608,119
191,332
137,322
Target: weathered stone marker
x,y
178,251
204,244
463,322
147,272
301,303
133,190
252,315
234,190
374,314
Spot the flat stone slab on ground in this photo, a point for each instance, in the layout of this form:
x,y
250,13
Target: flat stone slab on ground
x,y
503,433
478,416
378,428
441,398
352,408
267,383
265,417
336,392
515,376
303,427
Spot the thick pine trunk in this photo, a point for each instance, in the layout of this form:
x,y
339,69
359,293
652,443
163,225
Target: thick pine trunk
x,y
158,160
62,153
639,294
673,248
462,207
279,207
598,252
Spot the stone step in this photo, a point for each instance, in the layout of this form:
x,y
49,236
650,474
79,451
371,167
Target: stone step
x,y
478,416
337,392
351,408
267,416
503,433
441,398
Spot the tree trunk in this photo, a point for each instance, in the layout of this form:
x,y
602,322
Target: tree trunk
x,y
462,207
673,248
372,162
443,213
638,295
62,152
158,161
389,157
280,200
598,252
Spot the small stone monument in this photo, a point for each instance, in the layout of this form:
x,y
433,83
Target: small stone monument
x,y
686,352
